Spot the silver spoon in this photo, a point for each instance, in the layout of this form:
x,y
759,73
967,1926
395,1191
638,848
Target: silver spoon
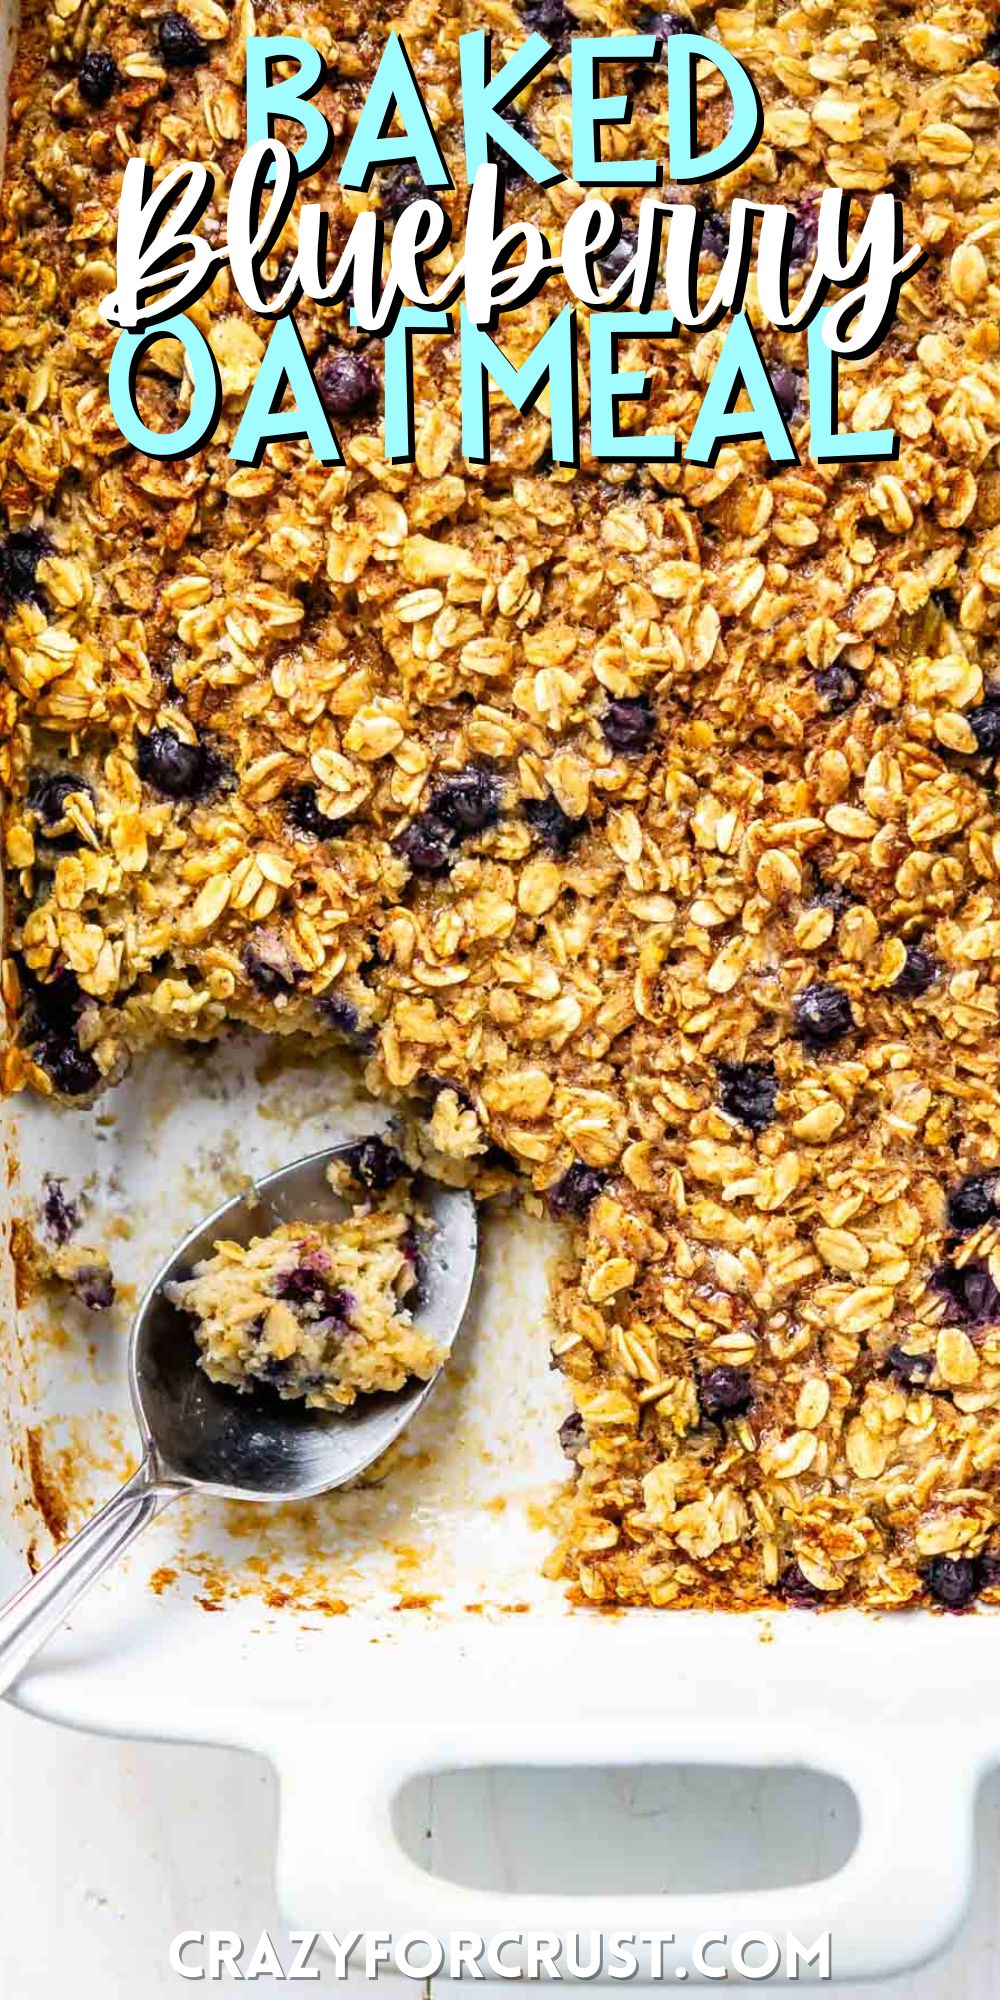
x,y
202,1437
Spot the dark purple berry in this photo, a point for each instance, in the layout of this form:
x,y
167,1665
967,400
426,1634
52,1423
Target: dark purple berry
x,y
805,235
991,47
303,813
341,1014
914,1371
269,965
838,688
61,1215
47,799
797,1590
551,19
181,46
974,1297
309,1293
434,1085
574,1194
94,1286
346,382
428,844
401,185
748,1092
953,1581
20,555
984,723
787,386
97,77
919,972
515,176
715,235
171,765
572,1435
628,723
822,1014
725,1392
989,1569
73,1071
663,25
613,261
553,826
376,1165
469,801
974,1201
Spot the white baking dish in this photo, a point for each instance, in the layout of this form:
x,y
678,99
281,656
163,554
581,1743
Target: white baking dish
x,y
349,1706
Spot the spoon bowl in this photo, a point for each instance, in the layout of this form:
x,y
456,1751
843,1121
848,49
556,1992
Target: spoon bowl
x,y
203,1437
254,1446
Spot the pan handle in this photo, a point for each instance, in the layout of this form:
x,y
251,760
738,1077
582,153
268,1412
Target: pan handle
x,y
894,1903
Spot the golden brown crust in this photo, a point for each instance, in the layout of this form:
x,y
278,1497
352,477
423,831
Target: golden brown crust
x,y
371,630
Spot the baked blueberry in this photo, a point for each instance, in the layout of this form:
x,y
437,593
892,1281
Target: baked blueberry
x,y
172,765
974,1200
612,262
788,388
402,184
181,46
73,1071
469,801
346,382
576,1191
375,1164
975,1300
805,235
269,965
953,1581
725,1392
838,688
919,972
554,827
428,844
913,1371
514,176
572,1435
551,19
663,24
20,555
98,77
302,812
984,722
307,1291
822,1014
991,47
47,797
748,1092
628,723
797,1590
714,234
61,1215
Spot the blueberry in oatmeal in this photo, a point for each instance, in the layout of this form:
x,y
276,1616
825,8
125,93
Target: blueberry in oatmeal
x,y
823,1014
318,1312
628,723
375,1164
974,1201
749,1093
838,688
725,1392
98,76
181,46
346,382
576,1191
469,801
303,813
919,972
20,555
953,1581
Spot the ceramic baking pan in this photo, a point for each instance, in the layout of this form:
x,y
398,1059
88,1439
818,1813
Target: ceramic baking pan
x,y
407,1628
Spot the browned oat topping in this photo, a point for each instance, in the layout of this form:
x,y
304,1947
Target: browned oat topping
x,y
643,820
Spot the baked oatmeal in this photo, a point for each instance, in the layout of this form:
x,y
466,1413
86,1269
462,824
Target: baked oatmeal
x,y
316,1311
638,822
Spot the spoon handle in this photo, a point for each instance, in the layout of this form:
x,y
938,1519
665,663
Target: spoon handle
x,y
41,1605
